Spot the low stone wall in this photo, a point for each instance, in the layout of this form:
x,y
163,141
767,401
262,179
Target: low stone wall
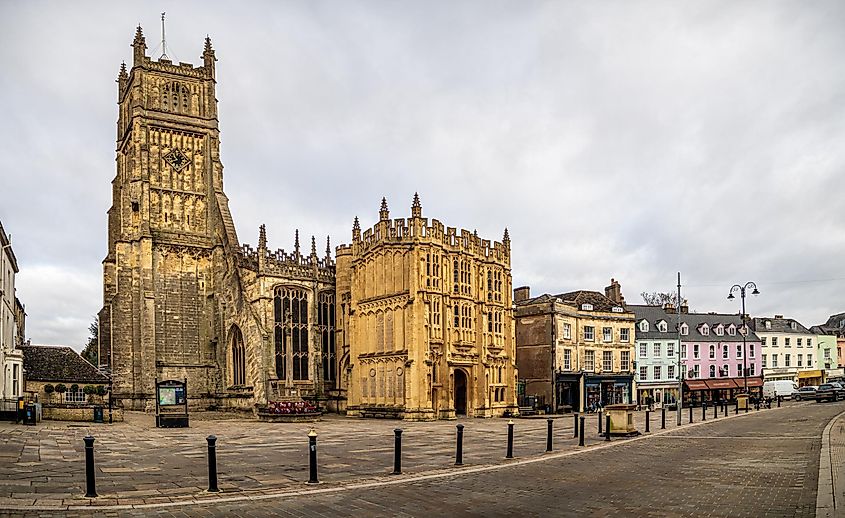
x,y
78,413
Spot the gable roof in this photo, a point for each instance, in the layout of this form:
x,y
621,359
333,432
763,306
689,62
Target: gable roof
x,y
59,364
694,321
598,301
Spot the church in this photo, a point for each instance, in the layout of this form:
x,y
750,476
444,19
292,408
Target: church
x,y
411,319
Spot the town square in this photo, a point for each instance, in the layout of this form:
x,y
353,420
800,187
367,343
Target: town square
x,y
549,258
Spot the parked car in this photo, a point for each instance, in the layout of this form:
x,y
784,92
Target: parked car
x,y
804,393
839,385
827,392
783,388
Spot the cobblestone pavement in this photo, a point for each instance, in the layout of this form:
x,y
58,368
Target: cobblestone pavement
x,y
761,464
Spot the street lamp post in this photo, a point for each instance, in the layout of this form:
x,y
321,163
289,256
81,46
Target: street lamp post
x,y
743,316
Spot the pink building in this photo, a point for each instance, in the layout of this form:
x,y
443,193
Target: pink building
x,y
717,364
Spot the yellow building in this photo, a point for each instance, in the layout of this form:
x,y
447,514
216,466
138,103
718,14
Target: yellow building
x,y
425,320
575,350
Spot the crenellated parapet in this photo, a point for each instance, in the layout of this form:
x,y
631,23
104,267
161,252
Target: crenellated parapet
x,y
281,263
420,230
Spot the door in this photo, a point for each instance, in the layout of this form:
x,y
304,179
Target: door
x,y
460,392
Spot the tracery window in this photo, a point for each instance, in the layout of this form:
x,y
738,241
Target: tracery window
x,y
291,332
325,326
175,97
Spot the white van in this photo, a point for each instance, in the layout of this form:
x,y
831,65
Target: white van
x,y
783,388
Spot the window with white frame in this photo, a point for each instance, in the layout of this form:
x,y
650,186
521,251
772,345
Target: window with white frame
x,y
720,330
774,341
657,373
75,396
798,342
643,373
751,350
810,360
725,370
712,371
751,370
809,342
567,359
683,351
657,348
684,330
567,331
712,351
607,334
670,350
739,351
739,369
787,360
764,361
661,326
705,330
625,335
589,360
800,360
643,350
625,361
774,360
644,326
607,361
763,341
725,354
786,342
732,330
670,372
696,371
589,333
696,353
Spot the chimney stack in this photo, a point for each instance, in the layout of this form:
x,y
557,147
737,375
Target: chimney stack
x,y
614,292
684,307
669,308
522,293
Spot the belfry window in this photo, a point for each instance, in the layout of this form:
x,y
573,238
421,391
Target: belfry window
x,y
238,357
291,332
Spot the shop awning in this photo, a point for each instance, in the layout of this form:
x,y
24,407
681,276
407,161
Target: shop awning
x,y
726,383
752,382
809,374
696,384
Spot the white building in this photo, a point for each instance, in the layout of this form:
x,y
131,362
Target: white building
x,y
11,322
789,350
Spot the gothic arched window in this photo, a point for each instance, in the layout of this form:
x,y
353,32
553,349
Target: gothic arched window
x,y
325,321
238,357
290,309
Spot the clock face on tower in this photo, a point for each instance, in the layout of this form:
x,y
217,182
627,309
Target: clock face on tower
x,y
176,159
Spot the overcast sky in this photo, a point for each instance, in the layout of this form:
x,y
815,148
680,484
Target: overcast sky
x,y
614,139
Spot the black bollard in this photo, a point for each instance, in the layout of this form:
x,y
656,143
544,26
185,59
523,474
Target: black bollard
x,y
212,464
690,413
600,423
312,456
459,448
581,437
575,427
746,405
663,418
725,407
90,483
779,398
715,410
607,428
549,425
397,451
510,440
703,411
647,421
736,408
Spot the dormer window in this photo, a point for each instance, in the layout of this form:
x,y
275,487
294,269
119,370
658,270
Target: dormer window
x,y
705,330
644,326
793,325
661,326
720,330
684,330
586,307
617,309
732,330
768,324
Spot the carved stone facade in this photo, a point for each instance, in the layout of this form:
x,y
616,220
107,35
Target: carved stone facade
x,y
425,320
182,297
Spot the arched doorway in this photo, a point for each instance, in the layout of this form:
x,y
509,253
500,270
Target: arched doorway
x,y
460,392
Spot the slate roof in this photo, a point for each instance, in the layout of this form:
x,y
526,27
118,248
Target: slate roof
x,y
779,325
833,326
655,314
59,364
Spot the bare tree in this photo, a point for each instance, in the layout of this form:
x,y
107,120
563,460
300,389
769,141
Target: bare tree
x,y
657,298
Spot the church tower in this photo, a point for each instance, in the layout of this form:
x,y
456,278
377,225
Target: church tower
x,y
171,240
